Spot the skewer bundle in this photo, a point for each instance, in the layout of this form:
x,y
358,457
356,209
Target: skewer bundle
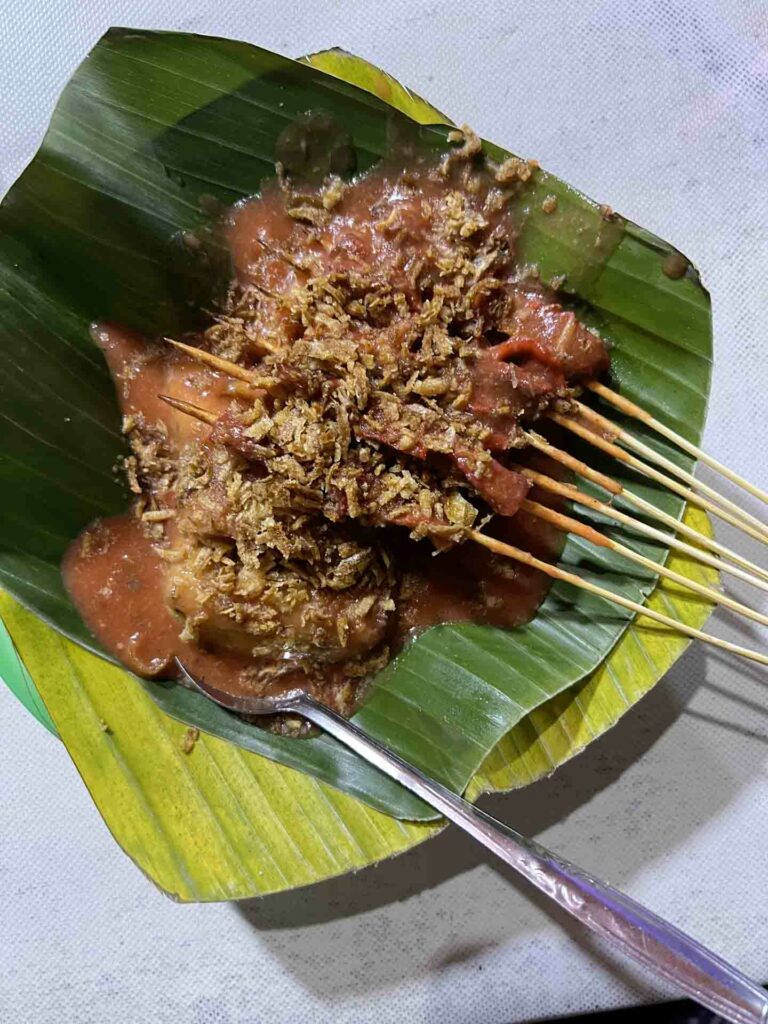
x,y
597,430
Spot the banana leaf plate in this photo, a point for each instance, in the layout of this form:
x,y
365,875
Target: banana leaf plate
x,y
154,131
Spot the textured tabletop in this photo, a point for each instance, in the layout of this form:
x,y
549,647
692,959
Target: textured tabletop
x,y
661,110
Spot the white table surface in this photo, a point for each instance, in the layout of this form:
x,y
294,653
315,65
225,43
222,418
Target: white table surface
x,y
661,111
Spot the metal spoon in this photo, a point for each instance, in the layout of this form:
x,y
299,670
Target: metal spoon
x,y
638,932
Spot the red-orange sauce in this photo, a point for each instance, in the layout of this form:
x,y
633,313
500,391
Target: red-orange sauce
x,y
116,579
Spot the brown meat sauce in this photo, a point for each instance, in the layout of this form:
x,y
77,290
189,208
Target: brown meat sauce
x,y
318,523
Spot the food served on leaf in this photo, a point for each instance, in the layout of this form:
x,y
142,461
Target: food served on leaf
x,y
112,221
306,469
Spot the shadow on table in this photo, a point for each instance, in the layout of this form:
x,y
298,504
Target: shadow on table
x,y
463,924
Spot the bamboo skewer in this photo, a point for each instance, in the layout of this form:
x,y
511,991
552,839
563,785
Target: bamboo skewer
x,y
637,525
672,485
570,525
610,430
257,382
239,389
224,365
619,490
191,410
574,464
574,526
556,573
630,409
571,492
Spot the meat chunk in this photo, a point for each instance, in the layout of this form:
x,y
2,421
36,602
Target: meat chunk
x,y
503,393
503,489
266,607
543,330
417,436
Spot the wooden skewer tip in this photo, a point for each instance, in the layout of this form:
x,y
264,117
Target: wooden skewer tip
x,y
224,365
189,409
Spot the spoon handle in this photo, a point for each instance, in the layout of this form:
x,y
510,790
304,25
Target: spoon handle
x,y
638,932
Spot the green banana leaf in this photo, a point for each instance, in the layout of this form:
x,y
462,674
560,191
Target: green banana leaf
x,y
152,132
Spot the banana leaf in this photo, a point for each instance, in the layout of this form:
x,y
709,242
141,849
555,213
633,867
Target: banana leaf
x,y
153,132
